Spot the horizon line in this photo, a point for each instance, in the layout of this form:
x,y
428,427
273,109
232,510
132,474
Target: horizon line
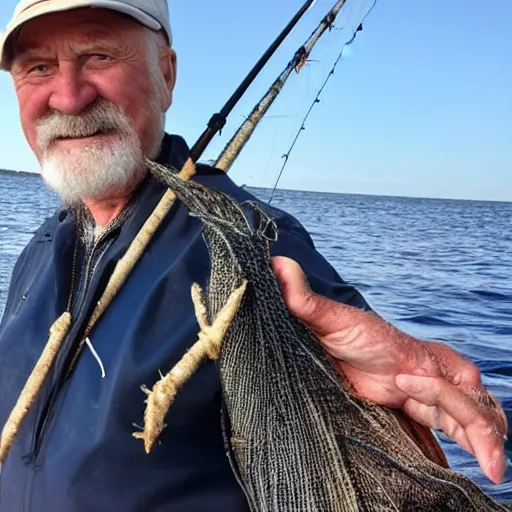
x,y
374,194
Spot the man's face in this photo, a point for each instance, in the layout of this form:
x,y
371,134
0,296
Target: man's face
x,y
91,101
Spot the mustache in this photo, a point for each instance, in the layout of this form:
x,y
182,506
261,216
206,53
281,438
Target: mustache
x,y
100,117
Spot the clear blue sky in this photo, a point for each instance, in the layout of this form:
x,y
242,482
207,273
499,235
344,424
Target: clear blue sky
x,y
420,106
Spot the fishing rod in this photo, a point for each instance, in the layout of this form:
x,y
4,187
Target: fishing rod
x,y
218,120
240,138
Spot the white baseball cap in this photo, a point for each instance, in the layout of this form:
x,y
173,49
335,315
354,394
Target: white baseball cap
x,y
154,14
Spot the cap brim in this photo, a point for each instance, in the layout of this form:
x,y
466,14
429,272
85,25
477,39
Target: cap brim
x,y
43,8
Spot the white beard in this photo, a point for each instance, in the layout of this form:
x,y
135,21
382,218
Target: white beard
x,y
106,166
94,171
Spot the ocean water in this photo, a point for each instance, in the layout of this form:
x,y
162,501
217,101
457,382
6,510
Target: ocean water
x,y
438,269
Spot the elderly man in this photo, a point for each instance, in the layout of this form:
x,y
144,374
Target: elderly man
x,y
94,80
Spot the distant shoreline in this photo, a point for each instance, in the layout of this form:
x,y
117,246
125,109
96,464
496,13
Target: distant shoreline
x,y
381,196
19,173
5,172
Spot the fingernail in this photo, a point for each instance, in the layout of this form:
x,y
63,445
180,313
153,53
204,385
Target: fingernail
x,y
505,438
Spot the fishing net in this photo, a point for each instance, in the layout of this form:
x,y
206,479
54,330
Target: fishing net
x,y
298,438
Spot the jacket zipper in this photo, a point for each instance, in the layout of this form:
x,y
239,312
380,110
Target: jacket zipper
x,y
89,273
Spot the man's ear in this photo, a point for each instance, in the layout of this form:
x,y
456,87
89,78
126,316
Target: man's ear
x,y
168,66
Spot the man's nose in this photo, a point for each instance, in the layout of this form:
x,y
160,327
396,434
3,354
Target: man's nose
x,y
71,93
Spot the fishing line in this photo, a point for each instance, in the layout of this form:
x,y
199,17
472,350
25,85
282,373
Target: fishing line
x,y
286,155
270,155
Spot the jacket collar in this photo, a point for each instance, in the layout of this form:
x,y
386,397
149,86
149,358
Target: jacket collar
x,y
174,151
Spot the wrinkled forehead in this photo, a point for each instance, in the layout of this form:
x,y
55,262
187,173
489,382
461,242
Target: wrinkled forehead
x,y
82,28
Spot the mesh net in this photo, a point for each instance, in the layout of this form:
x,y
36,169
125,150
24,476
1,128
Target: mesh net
x,y
298,439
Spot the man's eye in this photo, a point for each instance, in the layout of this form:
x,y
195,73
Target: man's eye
x,y
40,69
102,57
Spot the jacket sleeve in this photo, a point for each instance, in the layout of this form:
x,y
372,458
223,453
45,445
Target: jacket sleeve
x,y
14,287
21,273
296,243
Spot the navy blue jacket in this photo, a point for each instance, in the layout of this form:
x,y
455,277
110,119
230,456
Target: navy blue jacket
x,y
75,451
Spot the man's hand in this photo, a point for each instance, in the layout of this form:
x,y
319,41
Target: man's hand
x,y
430,382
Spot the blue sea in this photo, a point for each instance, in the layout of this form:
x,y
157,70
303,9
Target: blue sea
x,y
438,269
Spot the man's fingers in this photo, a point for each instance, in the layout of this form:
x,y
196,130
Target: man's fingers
x,y
463,407
432,417
466,376
322,315
291,277
482,425
295,288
